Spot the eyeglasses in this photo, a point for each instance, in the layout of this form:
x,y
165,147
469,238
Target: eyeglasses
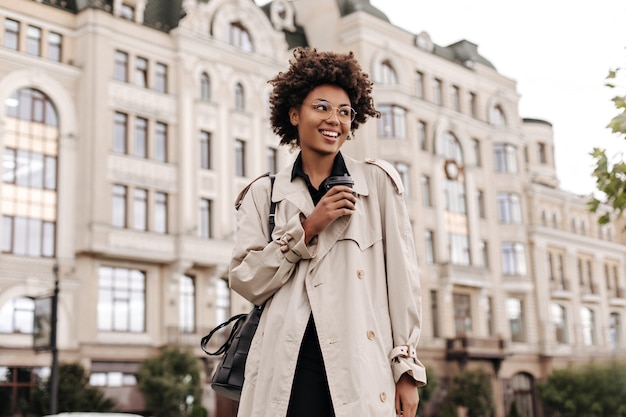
x,y
324,110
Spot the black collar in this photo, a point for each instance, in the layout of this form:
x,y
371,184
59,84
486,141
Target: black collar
x,y
339,168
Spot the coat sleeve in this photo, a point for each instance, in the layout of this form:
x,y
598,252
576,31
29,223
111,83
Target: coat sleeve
x,y
403,285
259,268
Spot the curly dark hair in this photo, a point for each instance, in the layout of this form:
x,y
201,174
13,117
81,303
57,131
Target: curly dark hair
x,y
308,70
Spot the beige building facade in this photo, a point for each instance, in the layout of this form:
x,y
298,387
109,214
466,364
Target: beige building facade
x,y
128,127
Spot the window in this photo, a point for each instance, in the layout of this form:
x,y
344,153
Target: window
x,y
455,98
239,36
429,246
559,321
31,105
120,71
127,12
121,300
497,117
18,316
240,99
140,209
473,104
484,253
160,142
459,249
437,87
419,85
462,314
187,304
506,157
523,394
240,158
556,271
141,72
541,153
33,41
434,312
477,158
30,169
17,385
426,194
111,378
588,324
222,300
272,159
509,208
583,228
392,123
55,42
118,215
160,212
160,82
513,258
141,137
612,280
205,150
11,34
455,196
29,209
515,314
205,218
403,170
28,236
421,135
205,87
387,73
120,135
615,330
480,201
489,315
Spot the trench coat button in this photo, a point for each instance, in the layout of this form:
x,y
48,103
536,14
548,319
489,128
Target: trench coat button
x,y
383,397
360,274
370,334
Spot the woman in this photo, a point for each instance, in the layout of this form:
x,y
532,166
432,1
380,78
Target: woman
x,y
339,278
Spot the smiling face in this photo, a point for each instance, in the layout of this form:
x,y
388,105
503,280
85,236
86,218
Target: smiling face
x,y
317,134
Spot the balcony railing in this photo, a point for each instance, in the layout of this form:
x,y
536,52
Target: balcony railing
x,y
464,349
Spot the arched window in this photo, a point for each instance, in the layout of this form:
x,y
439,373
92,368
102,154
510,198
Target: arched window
x,y
522,387
240,99
205,87
31,141
497,117
387,73
239,36
456,207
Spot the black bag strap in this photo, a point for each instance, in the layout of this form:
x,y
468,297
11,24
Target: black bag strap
x,y
239,318
271,220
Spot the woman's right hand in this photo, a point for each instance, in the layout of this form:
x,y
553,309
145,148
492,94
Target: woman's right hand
x,y
338,201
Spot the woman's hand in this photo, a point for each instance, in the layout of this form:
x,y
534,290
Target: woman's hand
x,y
338,201
407,397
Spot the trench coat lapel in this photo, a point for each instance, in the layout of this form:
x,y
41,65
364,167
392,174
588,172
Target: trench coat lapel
x,y
297,194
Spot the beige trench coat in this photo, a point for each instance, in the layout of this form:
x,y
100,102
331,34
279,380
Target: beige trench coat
x,y
359,277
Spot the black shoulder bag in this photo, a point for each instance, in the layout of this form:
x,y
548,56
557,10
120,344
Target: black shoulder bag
x,y
228,378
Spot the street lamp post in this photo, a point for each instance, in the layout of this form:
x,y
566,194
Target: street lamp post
x,y
54,372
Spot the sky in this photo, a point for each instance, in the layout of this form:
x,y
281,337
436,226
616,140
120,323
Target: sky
x,y
558,51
